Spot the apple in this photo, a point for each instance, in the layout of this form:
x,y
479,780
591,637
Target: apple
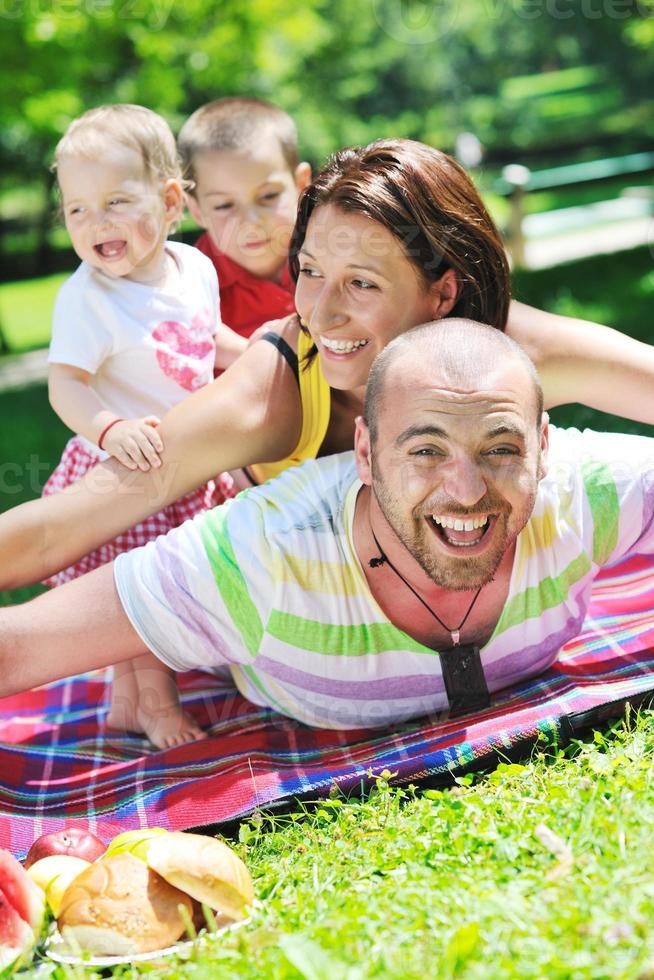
x,y
73,841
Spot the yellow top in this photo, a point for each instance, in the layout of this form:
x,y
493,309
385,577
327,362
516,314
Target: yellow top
x,y
316,404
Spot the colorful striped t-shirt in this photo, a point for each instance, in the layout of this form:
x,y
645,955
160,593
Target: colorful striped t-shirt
x,y
269,586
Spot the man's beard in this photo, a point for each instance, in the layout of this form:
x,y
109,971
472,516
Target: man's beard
x,y
457,574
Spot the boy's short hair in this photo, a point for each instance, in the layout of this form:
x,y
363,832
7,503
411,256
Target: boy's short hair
x,y
133,126
235,124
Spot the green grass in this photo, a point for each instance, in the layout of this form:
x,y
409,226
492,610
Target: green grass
x,y
26,311
31,441
538,870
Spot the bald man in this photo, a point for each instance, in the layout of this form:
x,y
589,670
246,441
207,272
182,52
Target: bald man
x,y
450,555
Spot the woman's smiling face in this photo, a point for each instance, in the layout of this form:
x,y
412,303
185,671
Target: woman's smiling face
x,y
357,290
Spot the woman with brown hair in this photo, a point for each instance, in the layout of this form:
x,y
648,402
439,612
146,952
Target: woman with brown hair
x,y
387,236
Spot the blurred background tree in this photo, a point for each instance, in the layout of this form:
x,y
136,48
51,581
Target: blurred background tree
x,y
542,80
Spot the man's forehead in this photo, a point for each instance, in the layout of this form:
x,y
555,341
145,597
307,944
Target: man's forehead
x,y
468,386
446,407
457,401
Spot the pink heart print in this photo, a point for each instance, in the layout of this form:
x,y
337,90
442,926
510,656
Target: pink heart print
x,y
182,342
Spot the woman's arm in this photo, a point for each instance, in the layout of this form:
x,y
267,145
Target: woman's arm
x,y
251,414
585,362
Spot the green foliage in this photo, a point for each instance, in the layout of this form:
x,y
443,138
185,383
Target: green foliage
x,y
519,75
30,447
527,78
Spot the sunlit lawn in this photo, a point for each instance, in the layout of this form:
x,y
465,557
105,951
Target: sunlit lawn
x,y
26,311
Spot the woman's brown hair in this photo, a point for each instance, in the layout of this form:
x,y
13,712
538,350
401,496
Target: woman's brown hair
x,y
428,202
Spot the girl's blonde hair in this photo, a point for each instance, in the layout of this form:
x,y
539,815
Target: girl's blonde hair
x,y
133,126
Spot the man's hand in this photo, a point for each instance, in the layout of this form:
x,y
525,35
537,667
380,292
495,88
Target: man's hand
x,y
135,442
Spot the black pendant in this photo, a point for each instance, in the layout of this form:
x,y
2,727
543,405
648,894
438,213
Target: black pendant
x,y
464,678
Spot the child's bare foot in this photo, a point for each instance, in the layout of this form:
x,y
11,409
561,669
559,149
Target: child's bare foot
x,y
166,727
122,718
145,699
169,725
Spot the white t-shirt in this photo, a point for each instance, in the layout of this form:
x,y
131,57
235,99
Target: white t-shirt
x,y
146,347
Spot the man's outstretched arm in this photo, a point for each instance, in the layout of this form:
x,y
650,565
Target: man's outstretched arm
x,y
78,627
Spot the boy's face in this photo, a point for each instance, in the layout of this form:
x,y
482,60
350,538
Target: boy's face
x,y
247,201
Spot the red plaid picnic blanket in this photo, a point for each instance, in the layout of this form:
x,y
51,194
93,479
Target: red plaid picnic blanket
x,y
59,766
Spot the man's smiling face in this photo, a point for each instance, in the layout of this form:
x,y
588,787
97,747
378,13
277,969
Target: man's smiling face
x,y
456,463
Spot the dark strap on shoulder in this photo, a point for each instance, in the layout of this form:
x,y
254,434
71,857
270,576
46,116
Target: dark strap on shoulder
x,y
465,683
285,350
290,357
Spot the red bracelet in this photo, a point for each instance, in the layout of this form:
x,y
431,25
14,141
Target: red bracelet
x,y
106,429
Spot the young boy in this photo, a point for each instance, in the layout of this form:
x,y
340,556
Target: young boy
x,y
243,158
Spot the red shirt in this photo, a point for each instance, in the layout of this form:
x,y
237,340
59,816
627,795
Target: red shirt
x,y
245,300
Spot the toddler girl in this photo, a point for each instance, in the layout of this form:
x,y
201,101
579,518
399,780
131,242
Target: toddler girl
x,y
135,329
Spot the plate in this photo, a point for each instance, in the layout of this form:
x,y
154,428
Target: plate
x,y
57,949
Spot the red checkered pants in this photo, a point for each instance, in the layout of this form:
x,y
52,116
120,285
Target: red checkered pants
x,y
78,459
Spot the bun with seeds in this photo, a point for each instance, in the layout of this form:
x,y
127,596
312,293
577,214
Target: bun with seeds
x,y
119,906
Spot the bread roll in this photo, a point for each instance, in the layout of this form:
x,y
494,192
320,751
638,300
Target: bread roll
x,y
119,906
204,868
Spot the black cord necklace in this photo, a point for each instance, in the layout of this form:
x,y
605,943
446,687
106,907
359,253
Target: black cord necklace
x,y
384,559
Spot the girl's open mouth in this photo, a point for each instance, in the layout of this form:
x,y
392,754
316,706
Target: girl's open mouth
x,y
111,250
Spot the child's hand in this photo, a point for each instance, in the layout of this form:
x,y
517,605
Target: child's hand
x,y
135,442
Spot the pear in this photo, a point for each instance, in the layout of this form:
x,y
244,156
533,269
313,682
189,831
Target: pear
x,y
54,874
136,842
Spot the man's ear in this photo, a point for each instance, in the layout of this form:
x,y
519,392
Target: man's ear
x,y
196,213
444,294
362,451
544,446
302,175
173,197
